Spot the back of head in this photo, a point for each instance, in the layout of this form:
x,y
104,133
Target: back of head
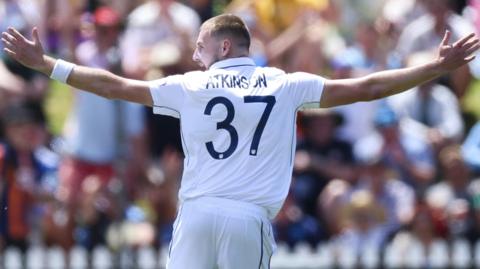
x,y
229,26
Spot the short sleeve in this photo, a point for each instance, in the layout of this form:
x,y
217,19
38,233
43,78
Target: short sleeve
x,y
305,88
168,95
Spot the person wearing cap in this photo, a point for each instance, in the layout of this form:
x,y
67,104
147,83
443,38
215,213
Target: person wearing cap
x,y
397,197
364,219
238,126
406,152
98,131
28,172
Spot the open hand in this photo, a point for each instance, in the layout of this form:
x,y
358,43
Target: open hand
x,y
459,53
27,52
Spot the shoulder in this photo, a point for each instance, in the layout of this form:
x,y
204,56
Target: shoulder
x,y
188,81
271,70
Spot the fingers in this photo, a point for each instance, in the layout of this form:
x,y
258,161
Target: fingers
x,y
471,44
7,43
8,37
8,40
10,53
464,40
16,34
470,58
446,38
472,49
36,39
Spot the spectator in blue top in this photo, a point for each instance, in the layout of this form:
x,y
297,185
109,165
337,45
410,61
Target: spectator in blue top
x,y
471,149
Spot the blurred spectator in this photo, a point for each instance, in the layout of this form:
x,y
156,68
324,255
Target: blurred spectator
x,y
28,172
23,14
432,105
153,22
367,54
425,32
348,14
364,221
161,191
100,132
471,149
474,190
419,235
94,213
405,152
204,8
163,131
358,116
330,202
293,226
450,196
397,198
274,17
320,157
436,108
11,86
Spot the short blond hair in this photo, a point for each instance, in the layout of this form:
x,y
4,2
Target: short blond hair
x,y
231,26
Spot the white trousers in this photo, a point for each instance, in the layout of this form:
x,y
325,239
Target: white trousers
x,y
216,233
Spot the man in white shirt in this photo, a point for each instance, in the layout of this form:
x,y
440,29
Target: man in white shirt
x,y
238,131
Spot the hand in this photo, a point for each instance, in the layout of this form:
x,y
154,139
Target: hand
x,y
27,52
457,54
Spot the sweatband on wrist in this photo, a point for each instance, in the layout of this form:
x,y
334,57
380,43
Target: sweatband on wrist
x,y
62,70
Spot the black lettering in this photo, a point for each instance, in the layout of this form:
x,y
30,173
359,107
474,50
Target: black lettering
x,y
210,83
261,81
225,81
236,82
217,80
244,82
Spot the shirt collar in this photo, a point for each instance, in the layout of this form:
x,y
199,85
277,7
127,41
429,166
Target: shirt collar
x,y
232,62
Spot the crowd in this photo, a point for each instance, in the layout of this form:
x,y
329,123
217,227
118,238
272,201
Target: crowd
x,y
404,169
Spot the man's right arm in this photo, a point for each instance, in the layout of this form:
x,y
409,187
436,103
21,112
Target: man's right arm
x,y
101,82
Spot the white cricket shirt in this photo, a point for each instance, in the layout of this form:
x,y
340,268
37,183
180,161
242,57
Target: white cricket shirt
x,y
238,127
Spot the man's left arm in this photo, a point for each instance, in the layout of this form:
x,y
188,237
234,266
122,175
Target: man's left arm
x,y
386,83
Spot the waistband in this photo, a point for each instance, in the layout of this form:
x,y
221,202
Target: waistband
x,y
229,207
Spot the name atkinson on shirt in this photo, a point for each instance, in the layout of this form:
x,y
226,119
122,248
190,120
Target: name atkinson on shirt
x,y
240,82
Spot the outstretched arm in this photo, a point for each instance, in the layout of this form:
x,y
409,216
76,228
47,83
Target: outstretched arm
x,y
101,82
386,83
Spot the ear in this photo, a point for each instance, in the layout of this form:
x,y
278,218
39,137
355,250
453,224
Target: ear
x,y
226,47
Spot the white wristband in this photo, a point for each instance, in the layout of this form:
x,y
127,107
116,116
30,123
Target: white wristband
x,y
62,70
